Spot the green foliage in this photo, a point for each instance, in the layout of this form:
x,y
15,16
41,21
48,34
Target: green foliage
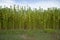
x,y
20,18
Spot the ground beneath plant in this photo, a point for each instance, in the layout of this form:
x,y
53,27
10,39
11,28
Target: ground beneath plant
x,y
30,36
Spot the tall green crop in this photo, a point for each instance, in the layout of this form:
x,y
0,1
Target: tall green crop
x,y
22,18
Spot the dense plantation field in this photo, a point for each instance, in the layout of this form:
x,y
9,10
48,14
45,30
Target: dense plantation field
x,y
22,18
30,34
26,24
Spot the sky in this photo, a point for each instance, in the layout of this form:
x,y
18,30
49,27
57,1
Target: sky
x,y
31,3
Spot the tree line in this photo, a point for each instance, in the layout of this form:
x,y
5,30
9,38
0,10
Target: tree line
x,y
22,18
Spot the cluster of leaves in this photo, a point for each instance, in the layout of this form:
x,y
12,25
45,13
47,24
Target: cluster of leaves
x,y
22,18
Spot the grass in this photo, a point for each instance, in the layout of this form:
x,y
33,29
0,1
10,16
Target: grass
x,y
48,34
